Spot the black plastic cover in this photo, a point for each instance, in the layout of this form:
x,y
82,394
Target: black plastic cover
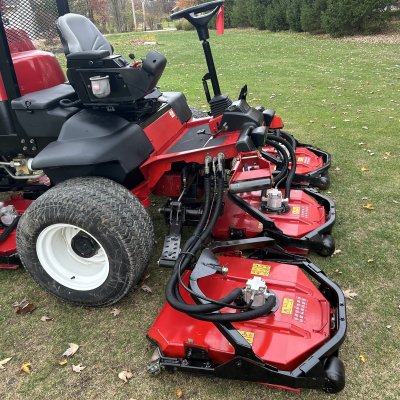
x,y
95,138
244,142
88,55
258,136
44,99
6,125
179,104
127,84
268,116
239,114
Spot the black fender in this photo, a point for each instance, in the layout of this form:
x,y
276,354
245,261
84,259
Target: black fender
x,y
95,143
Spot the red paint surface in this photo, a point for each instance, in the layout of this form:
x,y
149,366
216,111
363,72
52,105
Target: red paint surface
x,y
35,70
164,133
305,214
306,160
283,340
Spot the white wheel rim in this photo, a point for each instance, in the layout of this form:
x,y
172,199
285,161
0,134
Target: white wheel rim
x,y
59,260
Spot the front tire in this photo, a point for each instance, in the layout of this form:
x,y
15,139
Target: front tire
x,y
87,241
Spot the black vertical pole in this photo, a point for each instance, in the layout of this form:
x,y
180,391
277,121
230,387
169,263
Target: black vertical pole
x,y
6,65
211,67
62,7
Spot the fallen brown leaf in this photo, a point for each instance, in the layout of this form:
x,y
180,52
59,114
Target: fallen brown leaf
x,y
362,358
364,169
115,312
125,376
146,289
26,368
349,294
4,362
63,362
370,261
336,252
368,206
179,393
46,318
338,271
78,368
24,307
72,349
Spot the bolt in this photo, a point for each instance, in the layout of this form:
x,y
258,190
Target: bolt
x,y
25,148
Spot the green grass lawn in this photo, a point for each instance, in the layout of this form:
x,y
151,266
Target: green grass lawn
x,y
341,96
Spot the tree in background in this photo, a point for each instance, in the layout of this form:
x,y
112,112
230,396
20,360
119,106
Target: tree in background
x,y
275,17
311,15
347,17
293,15
336,17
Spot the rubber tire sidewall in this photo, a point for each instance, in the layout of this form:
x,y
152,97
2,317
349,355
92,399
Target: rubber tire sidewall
x,y
120,232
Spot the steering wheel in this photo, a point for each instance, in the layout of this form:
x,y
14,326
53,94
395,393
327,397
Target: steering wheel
x,y
199,17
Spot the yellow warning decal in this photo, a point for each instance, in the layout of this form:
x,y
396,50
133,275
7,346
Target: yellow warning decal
x,y
260,269
287,306
248,336
300,159
296,210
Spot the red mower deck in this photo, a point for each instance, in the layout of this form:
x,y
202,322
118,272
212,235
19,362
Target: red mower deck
x,y
283,339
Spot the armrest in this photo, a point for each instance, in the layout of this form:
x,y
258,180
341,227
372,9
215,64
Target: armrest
x,y
88,55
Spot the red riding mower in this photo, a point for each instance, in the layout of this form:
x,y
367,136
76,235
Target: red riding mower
x,y
81,160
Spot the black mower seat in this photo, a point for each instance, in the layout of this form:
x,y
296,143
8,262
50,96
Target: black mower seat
x,y
79,34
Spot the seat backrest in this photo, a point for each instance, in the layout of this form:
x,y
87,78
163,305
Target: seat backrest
x,y
78,34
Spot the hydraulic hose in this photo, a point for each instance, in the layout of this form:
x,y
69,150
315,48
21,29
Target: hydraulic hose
x,y
238,317
207,205
292,170
289,138
209,311
284,156
173,298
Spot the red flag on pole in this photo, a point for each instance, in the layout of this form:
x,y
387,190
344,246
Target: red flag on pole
x,y
221,20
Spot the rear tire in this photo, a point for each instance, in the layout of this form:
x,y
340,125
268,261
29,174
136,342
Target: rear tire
x,y
87,241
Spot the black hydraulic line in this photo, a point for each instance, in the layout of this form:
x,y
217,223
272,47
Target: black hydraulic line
x,y
209,311
284,156
172,293
287,137
292,171
206,209
7,231
238,317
